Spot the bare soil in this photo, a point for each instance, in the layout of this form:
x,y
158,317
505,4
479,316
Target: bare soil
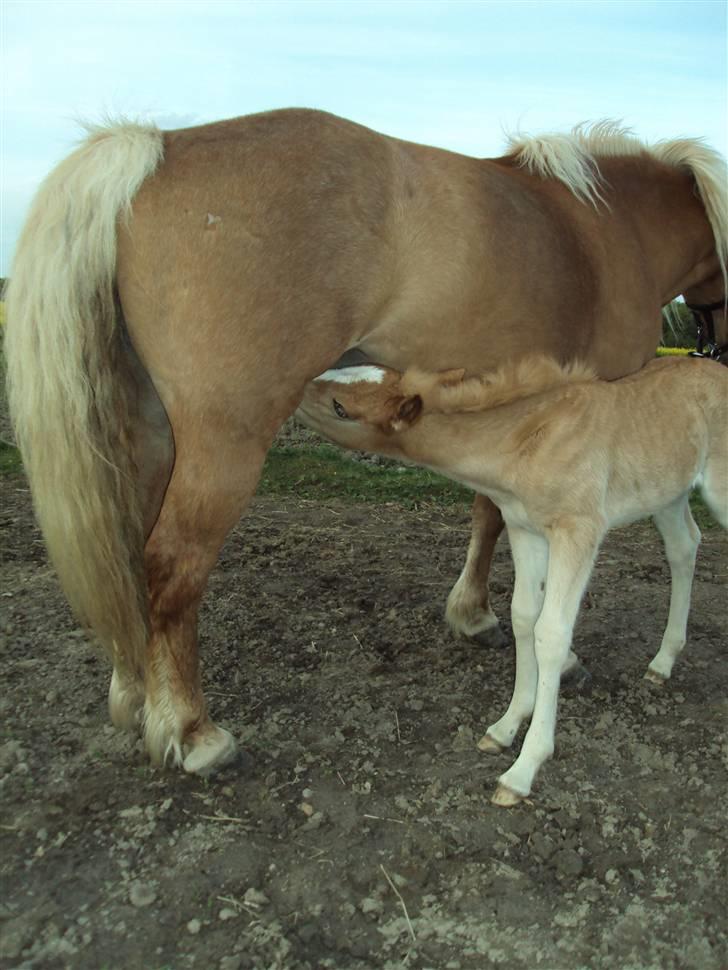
x,y
357,832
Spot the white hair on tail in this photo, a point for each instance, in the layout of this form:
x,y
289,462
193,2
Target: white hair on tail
x,y
353,375
69,409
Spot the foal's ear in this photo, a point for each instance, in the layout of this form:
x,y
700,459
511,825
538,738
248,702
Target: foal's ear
x,y
407,411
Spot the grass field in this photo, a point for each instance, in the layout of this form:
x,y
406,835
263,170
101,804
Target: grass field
x,y
323,472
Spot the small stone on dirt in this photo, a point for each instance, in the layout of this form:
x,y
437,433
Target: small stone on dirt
x,y
542,845
254,897
142,894
194,926
568,862
231,963
464,739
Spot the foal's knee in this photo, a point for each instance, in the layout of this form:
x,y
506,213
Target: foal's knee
x,y
682,549
552,641
523,622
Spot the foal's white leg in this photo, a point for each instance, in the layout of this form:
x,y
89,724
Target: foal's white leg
x,y
572,548
530,556
681,537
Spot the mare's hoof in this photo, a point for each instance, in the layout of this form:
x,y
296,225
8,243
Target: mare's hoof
x,y
209,750
475,624
493,637
654,678
505,797
490,745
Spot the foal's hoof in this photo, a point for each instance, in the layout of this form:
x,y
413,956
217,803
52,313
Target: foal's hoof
x,y
577,677
209,750
505,797
654,678
490,745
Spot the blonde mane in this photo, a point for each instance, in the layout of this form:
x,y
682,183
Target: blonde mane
x,y
512,381
573,159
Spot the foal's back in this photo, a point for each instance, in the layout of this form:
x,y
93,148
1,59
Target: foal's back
x,y
621,450
667,428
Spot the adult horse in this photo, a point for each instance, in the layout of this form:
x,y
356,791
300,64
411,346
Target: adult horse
x,y
173,293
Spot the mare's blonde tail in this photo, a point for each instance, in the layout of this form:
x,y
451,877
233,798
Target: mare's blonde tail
x,y
67,400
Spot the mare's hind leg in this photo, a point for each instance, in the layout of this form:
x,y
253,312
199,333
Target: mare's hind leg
x,y
150,436
214,477
681,537
468,610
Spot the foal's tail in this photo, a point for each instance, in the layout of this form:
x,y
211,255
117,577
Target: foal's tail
x,y
67,400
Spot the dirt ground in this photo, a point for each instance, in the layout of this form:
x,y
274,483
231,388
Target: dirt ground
x,y
357,831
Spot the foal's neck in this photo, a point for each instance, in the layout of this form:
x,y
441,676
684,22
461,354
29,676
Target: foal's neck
x,y
470,446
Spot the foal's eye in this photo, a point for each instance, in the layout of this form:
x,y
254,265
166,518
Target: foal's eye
x,y
340,410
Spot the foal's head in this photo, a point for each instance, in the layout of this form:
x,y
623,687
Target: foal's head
x,y
360,407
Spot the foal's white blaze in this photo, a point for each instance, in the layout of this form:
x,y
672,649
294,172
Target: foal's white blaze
x,y
353,375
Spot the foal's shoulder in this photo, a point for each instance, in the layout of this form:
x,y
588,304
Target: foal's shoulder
x,y
667,370
675,379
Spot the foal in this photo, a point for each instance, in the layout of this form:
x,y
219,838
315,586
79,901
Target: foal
x,y
565,457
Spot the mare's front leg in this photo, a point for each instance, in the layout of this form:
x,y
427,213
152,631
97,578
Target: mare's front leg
x,y
530,557
573,546
681,537
468,610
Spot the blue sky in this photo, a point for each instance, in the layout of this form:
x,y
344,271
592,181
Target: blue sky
x,y
454,74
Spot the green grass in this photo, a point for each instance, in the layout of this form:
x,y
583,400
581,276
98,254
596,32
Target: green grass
x,y
323,473
9,459
673,351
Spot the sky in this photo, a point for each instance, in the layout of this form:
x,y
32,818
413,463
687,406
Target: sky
x,y
459,75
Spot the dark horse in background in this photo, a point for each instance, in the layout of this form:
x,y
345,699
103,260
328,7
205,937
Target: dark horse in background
x,y
173,293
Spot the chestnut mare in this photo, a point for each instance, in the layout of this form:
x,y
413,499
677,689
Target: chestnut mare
x,y
173,293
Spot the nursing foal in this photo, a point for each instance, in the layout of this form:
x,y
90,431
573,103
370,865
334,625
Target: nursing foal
x,y
565,457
